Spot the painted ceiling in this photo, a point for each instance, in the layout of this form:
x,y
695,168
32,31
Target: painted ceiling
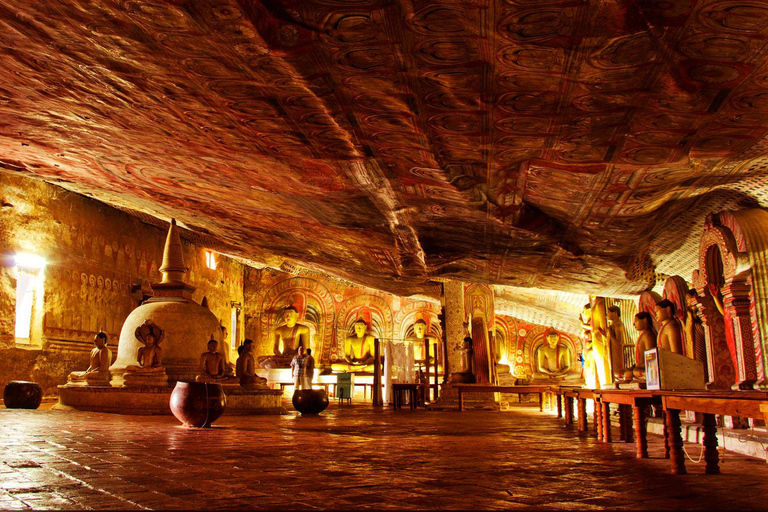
x,y
565,145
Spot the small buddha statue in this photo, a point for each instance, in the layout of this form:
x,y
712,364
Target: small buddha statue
x,y
358,350
694,329
246,368
466,358
212,367
288,337
150,370
670,333
98,371
645,341
553,360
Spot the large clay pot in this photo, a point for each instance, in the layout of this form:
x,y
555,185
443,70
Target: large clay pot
x,y
197,404
21,394
310,401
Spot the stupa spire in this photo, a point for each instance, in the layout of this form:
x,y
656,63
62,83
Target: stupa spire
x,y
173,268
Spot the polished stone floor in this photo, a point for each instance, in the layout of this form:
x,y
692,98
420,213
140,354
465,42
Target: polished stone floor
x,y
351,457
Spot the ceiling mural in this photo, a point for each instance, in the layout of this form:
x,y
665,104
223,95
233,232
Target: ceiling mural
x,y
562,145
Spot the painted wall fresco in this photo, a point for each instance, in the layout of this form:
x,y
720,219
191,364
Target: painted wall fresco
x,y
100,264
522,340
557,145
329,307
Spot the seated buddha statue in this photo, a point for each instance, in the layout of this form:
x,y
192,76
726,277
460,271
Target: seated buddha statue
x,y
246,368
288,337
466,373
358,351
212,367
420,339
646,340
670,335
553,360
98,371
150,370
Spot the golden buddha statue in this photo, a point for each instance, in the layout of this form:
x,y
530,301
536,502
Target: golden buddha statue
x,y
670,333
645,341
288,337
98,371
554,360
246,367
466,358
420,339
617,336
358,351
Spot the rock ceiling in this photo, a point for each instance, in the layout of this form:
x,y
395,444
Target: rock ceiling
x,y
564,145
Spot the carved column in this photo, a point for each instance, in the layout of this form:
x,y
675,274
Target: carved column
x,y
454,321
736,301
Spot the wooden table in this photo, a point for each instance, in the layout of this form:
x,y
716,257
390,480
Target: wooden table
x,y
487,388
399,391
750,404
565,400
626,398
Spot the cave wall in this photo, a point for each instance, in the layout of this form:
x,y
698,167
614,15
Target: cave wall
x,y
100,263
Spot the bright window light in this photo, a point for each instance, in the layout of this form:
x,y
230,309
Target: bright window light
x,y
210,260
25,296
29,261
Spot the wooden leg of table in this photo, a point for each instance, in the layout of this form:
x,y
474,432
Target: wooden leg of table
x,y
541,402
581,406
568,410
559,406
710,445
628,422
598,419
461,400
641,441
595,417
622,424
676,442
413,399
666,434
607,423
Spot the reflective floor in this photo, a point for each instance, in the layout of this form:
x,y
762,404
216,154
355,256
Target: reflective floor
x,y
351,457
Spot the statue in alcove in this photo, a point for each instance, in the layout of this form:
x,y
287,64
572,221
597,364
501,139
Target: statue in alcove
x,y
554,360
287,339
358,350
498,353
420,339
98,371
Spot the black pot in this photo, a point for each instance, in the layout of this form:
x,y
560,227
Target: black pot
x,y
310,401
197,404
21,394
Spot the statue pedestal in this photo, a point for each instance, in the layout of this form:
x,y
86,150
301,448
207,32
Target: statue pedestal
x,y
141,379
156,399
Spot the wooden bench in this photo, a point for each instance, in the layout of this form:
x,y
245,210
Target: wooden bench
x,y
488,388
637,399
749,404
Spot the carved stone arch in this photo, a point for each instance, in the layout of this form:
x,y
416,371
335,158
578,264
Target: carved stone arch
x,y
315,297
381,325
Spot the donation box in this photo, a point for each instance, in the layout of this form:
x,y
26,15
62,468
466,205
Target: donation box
x,y
666,370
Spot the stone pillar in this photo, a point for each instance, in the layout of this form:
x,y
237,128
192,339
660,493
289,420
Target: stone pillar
x,y
454,321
